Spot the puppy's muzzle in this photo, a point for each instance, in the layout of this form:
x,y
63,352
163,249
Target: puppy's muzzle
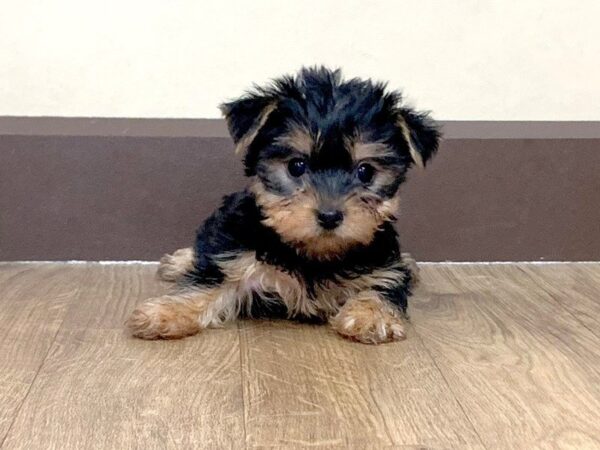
x,y
330,219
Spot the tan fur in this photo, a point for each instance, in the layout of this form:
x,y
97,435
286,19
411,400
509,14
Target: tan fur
x,y
367,152
247,139
360,149
411,263
247,276
339,290
167,317
369,319
185,312
174,266
415,155
294,220
300,139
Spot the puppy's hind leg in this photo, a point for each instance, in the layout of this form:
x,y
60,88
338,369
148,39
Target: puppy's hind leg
x,y
183,313
173,267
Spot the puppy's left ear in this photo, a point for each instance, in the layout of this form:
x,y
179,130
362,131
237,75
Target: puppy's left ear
x,y
245,117
421,134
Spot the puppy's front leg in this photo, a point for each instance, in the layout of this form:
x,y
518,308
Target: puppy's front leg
x,y
182,313
369,318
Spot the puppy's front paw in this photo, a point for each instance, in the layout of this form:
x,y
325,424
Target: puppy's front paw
x,y
174,267
161,318
369,322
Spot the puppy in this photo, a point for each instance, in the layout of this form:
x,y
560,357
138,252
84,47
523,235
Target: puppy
x,y
312,236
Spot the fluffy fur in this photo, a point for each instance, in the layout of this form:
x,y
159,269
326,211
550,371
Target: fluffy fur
x,y
312,237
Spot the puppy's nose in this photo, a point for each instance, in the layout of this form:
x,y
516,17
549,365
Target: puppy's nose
x,y
330,219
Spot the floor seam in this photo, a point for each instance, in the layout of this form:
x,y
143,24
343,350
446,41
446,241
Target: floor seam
x,y
460,405
242,381
39,369
385,424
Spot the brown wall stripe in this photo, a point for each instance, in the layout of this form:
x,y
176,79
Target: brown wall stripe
x,y
118,189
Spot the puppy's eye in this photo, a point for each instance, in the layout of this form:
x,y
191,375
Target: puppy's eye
x,y
365,172
297,167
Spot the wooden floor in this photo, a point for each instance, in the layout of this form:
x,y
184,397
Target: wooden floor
x,y
498,356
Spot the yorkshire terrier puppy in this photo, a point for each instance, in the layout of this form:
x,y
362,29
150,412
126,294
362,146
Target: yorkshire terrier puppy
x,y
312,236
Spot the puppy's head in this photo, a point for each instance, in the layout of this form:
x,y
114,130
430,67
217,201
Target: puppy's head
x,y
327,156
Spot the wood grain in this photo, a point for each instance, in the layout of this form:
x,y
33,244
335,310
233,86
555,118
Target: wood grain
x,y
576,287
497,356
102,389
110,294
522,367
33,301
306,386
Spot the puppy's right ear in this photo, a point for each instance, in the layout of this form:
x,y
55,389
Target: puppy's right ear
x,y
245,117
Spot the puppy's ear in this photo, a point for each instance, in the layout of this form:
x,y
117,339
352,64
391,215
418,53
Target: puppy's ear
x,y
421,134
245,117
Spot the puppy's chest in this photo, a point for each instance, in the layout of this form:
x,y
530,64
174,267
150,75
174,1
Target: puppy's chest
x,y
307,293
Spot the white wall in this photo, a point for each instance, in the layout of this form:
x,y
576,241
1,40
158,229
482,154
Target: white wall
x,y
464,59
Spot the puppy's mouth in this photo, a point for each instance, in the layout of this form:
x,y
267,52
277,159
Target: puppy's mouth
x,y
327,235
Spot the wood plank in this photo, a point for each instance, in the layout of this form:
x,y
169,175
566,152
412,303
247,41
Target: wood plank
x,y
33,302
306,386
111,293
575,286
524,369
100,388
502,356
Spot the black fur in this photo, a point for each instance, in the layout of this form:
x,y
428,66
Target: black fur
x,y
320,101
236,227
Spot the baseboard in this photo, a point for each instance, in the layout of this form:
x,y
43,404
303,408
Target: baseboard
x,y
132,189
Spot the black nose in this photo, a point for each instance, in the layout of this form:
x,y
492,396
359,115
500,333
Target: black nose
x,y
330,219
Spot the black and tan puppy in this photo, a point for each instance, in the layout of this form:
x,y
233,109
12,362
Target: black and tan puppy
x,y
312,237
